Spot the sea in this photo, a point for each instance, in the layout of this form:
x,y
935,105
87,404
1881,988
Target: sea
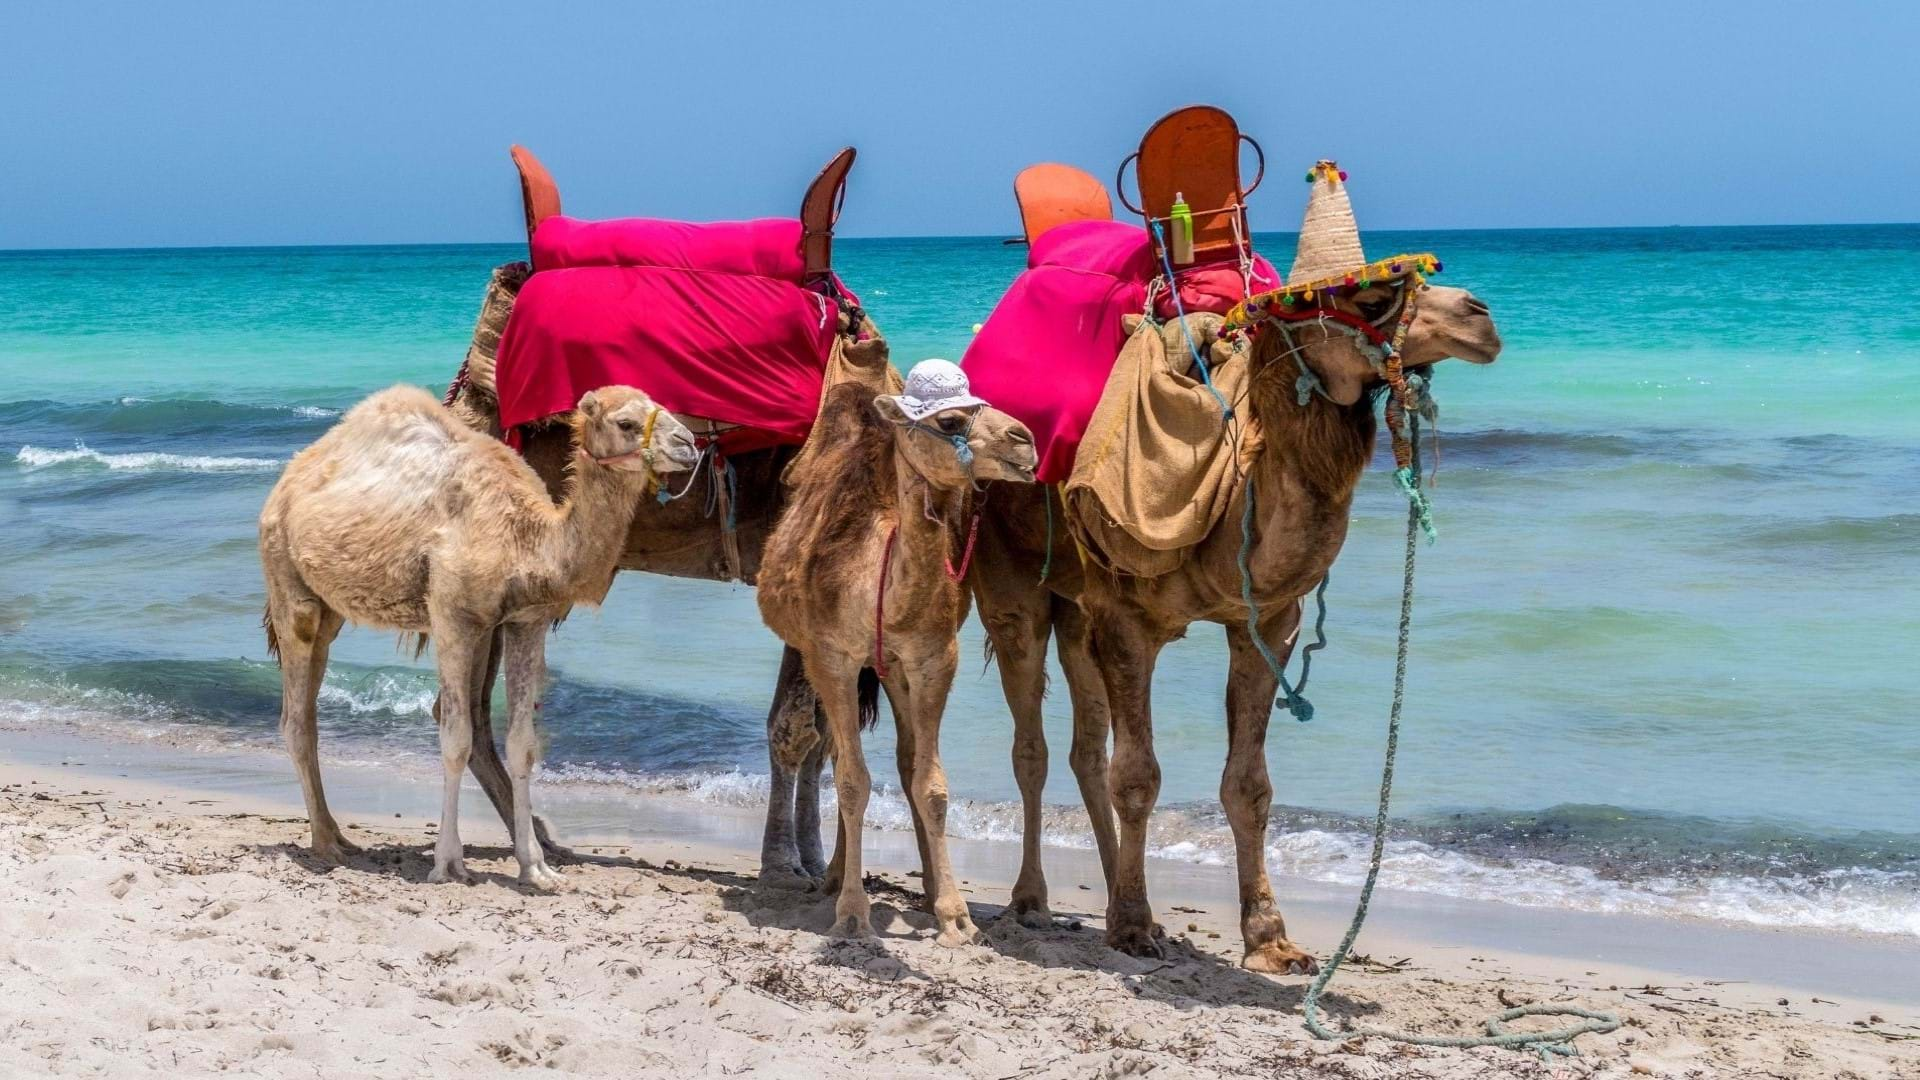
x,y
1663,650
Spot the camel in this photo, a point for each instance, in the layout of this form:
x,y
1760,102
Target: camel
x,y
684,538
863,577
688,536
403,518
1305,461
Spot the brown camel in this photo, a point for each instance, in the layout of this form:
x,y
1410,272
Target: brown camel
x,y
862,576
683,538
403,518
686,537
1111,628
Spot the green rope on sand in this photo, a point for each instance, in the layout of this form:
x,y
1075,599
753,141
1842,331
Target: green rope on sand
x,y
1556,1041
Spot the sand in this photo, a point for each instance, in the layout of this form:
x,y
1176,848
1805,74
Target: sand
x,y
148,929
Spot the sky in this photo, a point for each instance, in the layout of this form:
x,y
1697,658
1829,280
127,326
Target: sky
x,y
214,123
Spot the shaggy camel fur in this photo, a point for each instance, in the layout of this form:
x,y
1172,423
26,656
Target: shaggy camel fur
x,y
403,518
685,538
880,520
1111,629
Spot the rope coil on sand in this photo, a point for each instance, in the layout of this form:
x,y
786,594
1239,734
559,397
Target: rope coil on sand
x,y
1554,1041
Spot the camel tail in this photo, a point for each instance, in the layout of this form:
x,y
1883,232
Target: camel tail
x,y
868,692
417,642
273,639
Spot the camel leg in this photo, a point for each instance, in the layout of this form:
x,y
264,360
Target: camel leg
x,y
806,801
1019,631
926,700
1090,725
837,867
834,680
526,657
305,629
1126,654
792,738
456,647
903,759
1247,795
485,763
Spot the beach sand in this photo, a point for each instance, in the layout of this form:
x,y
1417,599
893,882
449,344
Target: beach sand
x,y
157,922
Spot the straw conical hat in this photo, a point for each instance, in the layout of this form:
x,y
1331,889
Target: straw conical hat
x,y
1329,237
1329,261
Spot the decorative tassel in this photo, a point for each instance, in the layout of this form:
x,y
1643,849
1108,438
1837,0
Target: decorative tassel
x,y
962,451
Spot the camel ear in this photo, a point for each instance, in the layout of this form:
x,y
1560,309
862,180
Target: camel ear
x,y
889,409
590,405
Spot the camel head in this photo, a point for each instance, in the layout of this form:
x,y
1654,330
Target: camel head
x,y
950,437
1365,299
1447,322
621,428
998,446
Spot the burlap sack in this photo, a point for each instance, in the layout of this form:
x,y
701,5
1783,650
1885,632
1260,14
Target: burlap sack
x,y
1156,470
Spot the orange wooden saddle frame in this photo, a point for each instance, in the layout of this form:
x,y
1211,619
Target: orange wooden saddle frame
x,y
1195,152
1052,194
819,209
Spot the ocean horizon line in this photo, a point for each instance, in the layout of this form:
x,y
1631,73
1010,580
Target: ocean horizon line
x,y
1005,235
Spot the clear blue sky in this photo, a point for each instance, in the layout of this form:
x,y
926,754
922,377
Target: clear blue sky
x,y
131,124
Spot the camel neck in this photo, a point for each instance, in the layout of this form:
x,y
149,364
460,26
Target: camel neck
x,y
599,508
932,524
1319,449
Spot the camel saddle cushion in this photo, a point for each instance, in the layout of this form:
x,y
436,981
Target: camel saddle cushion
x,y
711,320
1045,354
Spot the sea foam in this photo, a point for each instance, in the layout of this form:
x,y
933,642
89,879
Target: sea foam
x,y
34,457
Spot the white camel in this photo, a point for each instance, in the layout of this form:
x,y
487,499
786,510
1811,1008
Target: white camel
x,y
403,518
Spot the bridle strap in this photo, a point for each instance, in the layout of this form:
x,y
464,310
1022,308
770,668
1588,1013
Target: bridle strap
x,y
645,452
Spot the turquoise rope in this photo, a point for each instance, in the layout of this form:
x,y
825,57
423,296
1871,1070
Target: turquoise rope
x,y
1290,695
1556,1041
733,496
1173,288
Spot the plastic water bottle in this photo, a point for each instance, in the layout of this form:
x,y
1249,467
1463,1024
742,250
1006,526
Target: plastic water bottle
x,y
1180,216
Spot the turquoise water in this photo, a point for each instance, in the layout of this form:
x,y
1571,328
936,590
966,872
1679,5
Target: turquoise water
x,y
1661,652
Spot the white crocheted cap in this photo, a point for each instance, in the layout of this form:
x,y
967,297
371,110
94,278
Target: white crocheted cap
x,y
935,386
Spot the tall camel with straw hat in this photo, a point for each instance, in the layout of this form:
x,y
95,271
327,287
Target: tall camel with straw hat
x,y
1319,350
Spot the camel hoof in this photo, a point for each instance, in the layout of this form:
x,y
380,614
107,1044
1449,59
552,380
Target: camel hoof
x,y
544,878
787,879
962,932
852,927
336,852
453,871
1032,914
1146,942
1280,958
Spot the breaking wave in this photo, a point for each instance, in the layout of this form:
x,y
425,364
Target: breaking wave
x,y
34,457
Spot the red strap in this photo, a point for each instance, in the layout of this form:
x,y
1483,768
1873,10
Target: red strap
x,y
966,558
880,608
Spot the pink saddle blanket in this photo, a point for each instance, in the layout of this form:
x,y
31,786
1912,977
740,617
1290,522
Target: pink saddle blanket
x,y
711,320
1044,354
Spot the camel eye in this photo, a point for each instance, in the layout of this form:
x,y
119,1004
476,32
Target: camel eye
x,y
628,426
953,424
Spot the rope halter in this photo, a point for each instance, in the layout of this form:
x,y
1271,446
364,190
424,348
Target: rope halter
x,y
645,451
